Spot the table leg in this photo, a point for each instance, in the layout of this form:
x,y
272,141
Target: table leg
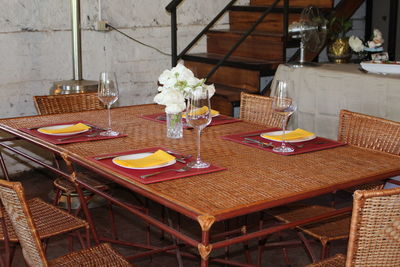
x,y
82,198
205,248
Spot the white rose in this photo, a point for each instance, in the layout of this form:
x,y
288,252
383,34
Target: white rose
x,y
173,96
356,44
175,108
159,99
165,76
192,81
181,72
211,90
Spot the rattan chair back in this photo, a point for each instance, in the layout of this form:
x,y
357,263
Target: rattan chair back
x,y
375,229
12,197
258,109
56,104
369,132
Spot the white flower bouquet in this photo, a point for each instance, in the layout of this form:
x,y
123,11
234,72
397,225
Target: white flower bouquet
x,y
179,84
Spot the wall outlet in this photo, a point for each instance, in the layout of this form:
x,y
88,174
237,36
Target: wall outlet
x,y
101,25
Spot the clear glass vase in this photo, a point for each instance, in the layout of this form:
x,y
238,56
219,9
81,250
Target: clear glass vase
x,y
174,125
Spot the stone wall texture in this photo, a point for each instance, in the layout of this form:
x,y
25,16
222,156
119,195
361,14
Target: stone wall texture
x,y
35,45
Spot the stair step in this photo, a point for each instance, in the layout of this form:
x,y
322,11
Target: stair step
x,y
226,98
255,46
231,77
264,8
232,94
295,3
273,22
272,36
263,67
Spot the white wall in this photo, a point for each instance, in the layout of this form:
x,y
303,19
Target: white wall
x,y
35,45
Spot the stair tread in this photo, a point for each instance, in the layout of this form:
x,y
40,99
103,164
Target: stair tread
x,y
260,33
294,3
231,93
234,61
292,9
279,36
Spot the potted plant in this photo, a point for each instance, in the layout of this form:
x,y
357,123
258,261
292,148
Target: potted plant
x,y
338,44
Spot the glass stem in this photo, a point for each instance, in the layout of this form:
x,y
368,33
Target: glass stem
x,y
198,144
109,117
284,131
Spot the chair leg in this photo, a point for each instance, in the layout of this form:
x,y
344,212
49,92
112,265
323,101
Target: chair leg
x,y
246,244
284,250
69,203
226,228
4,167
148,236
57,197
112,218
174,240
70,243
307,247
9,251
324,250
261,242
88,237
162,237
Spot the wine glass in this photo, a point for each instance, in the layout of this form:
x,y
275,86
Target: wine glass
x,y
284,105
108,94
198,115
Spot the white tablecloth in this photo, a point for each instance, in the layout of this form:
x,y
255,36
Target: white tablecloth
x,y
321,92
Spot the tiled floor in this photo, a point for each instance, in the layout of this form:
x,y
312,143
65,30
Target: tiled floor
x,y
131,229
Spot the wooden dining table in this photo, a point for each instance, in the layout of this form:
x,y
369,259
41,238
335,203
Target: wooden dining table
x,y
253,179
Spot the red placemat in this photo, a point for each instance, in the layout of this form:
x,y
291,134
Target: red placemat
x,y
217,120
82,137
135,174
316,144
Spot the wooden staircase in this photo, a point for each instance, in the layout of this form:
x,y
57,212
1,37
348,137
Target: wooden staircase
x,y
257,57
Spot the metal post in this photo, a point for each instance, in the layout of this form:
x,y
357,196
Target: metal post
x,y
76,39
174,38
77,84
368,19
285,26
394,4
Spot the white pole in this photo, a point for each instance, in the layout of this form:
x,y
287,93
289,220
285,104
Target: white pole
x,y
99,4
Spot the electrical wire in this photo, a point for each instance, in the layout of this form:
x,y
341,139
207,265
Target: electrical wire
x,y
137,41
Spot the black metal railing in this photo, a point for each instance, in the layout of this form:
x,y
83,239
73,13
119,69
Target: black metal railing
x,y
172,8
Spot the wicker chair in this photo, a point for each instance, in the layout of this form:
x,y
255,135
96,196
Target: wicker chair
x,y
54,104
358,130
50,222
374,232
258,109
22,220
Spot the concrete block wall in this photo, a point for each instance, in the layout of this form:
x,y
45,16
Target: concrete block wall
x,y
35,45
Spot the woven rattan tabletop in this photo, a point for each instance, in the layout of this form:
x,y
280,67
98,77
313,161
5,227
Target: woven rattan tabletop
x,y
254,179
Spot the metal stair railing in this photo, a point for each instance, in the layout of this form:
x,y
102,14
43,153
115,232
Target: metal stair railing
x,y
172,8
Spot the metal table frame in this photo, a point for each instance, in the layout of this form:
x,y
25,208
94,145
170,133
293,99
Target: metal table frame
x,y
205,221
